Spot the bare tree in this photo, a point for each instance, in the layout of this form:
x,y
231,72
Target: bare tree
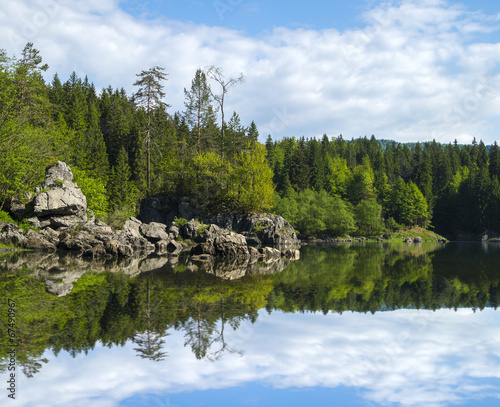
x,y
217,75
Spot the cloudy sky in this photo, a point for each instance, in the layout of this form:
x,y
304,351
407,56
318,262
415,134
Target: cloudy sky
x,y
406,70
406,358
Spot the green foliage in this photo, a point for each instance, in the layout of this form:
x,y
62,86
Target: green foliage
x,y
58,182
95,191
219,185
180,221
122,192
118,217
24,224
316,213
135,148
251,179
368,214
5,217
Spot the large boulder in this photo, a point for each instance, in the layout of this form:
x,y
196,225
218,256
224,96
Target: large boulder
x,y
231,245
191,229
58,201
130,235
154,231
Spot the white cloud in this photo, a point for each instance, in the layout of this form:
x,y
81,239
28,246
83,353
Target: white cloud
x,y
407,357
412,73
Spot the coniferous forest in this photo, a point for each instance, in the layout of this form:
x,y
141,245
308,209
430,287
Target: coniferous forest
x,y
123,148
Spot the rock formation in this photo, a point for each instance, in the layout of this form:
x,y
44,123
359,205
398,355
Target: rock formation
x,y
59,210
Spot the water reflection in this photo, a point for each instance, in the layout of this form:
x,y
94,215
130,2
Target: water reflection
x,y
283,329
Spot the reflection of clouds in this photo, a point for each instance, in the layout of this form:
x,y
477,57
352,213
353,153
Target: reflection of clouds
x,y
407,357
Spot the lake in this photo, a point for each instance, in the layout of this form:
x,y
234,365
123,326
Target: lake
x,y
346,325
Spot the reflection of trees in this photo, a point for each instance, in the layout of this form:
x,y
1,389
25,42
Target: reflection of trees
x,y
150,345
32,365
114,308
150,341
224,347
206,327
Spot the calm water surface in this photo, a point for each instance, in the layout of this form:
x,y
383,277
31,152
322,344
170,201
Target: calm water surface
x,y
360,325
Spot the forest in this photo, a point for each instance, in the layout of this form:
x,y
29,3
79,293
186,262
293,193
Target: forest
x,y
123,148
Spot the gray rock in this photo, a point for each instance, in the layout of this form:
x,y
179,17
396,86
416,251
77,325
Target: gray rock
x,y
36,241
61,201
58,172
131,227
418,239
208,233
190,229
50,235
269,252
271,230
231,245
153,231
97,227
186,210
173,231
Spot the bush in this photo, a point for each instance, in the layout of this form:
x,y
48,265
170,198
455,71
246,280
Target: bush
x,y
5,217
180,221
117,218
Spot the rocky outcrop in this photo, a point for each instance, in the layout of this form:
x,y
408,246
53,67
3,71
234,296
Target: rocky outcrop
x,y
259,229
59,211
58,202
10,234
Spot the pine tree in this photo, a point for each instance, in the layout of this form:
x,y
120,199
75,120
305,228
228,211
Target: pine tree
x,y
149,96
494,159
198,104
122,191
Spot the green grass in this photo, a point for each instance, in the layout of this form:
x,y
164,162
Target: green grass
x,y
413,232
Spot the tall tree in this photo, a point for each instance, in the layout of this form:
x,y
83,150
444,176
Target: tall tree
x,y
149,96
225,85
197,103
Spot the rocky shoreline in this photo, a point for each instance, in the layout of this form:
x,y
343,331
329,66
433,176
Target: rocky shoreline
x,y
58,213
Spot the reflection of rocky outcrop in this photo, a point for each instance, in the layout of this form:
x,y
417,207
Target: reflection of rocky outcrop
x,y
236,268
60,270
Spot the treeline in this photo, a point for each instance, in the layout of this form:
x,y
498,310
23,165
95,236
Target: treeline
x,y
338,186
125,147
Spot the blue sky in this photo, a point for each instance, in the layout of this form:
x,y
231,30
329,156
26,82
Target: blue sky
x,y
254,17
407,70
